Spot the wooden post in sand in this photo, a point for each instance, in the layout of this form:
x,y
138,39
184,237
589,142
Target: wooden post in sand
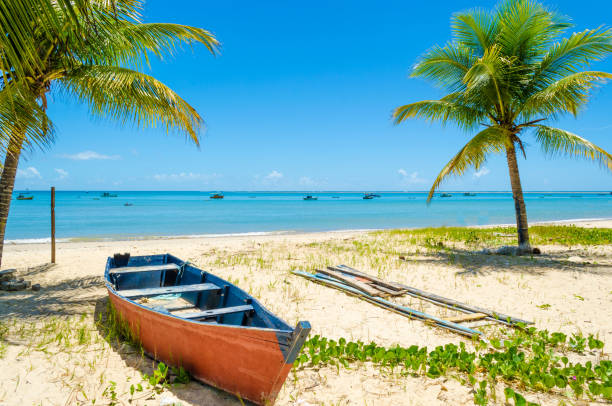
x,y
52,224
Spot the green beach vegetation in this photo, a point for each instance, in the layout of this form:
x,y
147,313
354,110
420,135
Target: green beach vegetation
x,y
495,236
508,73
92,52
527,359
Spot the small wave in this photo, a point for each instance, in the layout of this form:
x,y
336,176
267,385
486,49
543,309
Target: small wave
x,y
35,240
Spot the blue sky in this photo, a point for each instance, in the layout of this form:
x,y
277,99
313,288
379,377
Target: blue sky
x,y
300,98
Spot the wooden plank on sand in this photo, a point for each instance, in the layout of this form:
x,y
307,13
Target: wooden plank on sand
x,y
352,282
466,317
374,279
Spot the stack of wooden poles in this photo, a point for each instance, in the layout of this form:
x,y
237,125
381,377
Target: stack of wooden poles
x,y
378,291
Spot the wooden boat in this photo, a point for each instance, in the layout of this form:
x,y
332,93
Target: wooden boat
x,y
217,196
107,194
446,195
469,194
21,196
187,317
309,197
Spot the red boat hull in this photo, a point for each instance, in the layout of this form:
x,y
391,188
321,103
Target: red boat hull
x,y
247,362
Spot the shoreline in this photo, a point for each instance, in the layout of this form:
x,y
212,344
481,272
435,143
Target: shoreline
x,y
582,222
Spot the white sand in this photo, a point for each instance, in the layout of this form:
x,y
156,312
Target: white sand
x,y
576,282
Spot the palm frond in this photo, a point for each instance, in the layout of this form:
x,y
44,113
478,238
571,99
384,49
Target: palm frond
x,y
485,78
445,66
122,42
23,119
567,94
555,141
450,108
527,28
473,154
475,29
128,96
24,22
570,55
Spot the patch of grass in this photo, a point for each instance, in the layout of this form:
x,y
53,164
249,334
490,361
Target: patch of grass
x,y
117,329
4,329
563,235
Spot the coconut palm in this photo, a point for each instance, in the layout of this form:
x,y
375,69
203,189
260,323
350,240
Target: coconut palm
x,y
508,71
94,58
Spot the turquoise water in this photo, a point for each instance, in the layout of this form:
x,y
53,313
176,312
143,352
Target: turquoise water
x,y
87,214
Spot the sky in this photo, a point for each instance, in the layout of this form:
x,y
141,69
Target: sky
x,y
300,98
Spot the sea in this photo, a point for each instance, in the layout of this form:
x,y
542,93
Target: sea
x,y
83,215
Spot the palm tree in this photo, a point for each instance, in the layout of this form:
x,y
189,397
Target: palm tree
x,y
507,71
91,51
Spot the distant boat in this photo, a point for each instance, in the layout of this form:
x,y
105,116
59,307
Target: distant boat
x,y
370,196
335,197
220,334
309,197
217,196
107,194
446,195
469,194
128,204
25,197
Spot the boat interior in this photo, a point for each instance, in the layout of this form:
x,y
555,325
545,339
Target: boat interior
x,y
169,285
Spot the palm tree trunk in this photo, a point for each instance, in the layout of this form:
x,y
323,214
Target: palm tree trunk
x,y
519,203
7,183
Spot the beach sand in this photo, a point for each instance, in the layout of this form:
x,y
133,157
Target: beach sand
x,y
575,284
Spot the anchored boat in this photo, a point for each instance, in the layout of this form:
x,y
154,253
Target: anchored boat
x,y
310,197
217,196
21,196
187,317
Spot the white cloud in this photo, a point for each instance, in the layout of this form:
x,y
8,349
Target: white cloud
x,y
484,171
412,178
28,173
274,175
306,181
62,174
185,177
89,155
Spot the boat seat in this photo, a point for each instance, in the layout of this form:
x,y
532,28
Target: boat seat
x,y
180,306
198,287
146,268
216,312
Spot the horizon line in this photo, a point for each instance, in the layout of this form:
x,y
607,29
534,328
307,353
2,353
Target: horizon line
x,y
309,191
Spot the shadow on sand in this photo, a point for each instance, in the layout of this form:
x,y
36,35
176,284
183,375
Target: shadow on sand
x,y
193,392
474,263
66,298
